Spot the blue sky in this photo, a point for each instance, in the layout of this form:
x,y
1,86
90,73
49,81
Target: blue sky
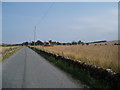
x,y
0,22
64,22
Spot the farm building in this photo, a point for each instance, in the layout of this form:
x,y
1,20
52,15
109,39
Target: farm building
x,y
47,44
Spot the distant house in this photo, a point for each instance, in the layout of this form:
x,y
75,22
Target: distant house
x,y
47,44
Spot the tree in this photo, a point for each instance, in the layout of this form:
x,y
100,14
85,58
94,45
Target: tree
x,y
50,41
79,42
32,43
58,43
87,43
74,43
25,43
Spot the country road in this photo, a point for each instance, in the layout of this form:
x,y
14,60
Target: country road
x,y
27,69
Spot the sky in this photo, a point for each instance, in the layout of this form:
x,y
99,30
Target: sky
x,y
59,21
0,22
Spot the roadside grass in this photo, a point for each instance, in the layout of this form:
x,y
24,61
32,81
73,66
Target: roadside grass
x,y
76,72
8,52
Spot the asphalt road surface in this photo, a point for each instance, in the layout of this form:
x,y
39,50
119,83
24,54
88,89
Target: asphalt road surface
x,y
27,69
0,75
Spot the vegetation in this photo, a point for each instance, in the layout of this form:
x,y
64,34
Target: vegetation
x,y
105,56
7,51
38,42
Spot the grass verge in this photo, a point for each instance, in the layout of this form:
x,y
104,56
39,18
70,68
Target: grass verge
x,y
76,72
9,53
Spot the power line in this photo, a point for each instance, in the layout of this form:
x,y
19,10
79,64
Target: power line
x,y
45,14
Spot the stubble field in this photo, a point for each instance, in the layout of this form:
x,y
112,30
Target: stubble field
x,y
105,56
7,51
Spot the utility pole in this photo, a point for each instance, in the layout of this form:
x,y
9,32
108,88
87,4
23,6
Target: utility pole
x,y
34,36
29,42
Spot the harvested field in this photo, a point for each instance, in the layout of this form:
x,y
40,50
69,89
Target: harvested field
x,y
107,43
7,51
105,56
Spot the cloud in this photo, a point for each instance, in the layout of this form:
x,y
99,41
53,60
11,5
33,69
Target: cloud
x,y
87,19
104,23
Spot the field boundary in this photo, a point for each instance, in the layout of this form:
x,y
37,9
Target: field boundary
x,y
110,79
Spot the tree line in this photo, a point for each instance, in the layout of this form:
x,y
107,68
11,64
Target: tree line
x,y
51,42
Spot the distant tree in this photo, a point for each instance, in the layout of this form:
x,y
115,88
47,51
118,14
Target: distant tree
x,y
50,41
74,43
87,43
32,43
25,43
54,43
80,42
58,43
63,43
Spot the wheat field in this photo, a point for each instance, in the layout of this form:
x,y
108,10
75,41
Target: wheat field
x,y
105,56
4,51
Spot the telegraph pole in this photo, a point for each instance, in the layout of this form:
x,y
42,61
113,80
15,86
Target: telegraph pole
x,y
34,36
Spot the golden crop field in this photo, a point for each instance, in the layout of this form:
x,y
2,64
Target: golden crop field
x,y
5,51
105,56
2,49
